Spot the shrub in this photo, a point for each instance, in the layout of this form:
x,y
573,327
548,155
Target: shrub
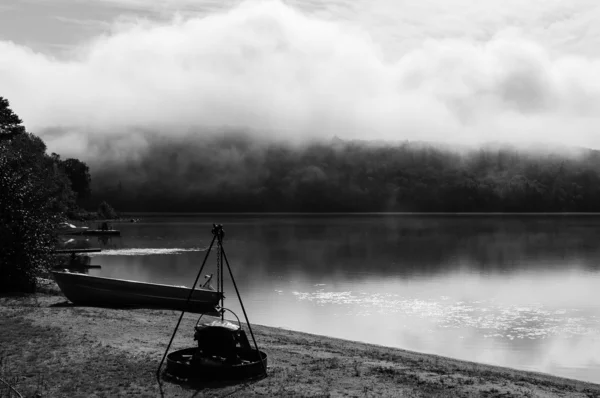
x,y
106,212
34,194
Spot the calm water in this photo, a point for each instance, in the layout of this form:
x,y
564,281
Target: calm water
x,y
519,292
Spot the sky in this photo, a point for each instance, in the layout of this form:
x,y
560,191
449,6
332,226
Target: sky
x,y
458,71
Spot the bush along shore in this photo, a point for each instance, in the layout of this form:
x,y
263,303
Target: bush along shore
x,y
51,348
104,212
38,192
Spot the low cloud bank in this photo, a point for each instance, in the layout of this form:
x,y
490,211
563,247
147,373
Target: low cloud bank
x,y
270,70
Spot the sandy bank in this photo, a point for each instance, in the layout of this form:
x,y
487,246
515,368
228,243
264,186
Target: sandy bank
x,y
55,349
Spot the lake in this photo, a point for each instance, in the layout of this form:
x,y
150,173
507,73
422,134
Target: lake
x,y
522,292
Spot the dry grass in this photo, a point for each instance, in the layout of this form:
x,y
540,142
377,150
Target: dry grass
x,y
56,350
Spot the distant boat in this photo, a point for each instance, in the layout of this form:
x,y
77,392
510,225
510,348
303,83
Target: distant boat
x,y
107,292
104,229
65,228
73,261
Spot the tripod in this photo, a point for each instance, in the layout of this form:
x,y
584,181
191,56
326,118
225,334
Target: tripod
x,y
218,235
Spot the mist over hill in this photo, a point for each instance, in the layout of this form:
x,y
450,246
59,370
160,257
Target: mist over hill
x,y
231,107
237,173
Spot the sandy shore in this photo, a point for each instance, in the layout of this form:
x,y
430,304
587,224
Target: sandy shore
x,y
54,349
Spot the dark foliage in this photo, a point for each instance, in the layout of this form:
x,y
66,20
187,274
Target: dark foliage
x,y
34,194
79,175
10,124
106,212
80,180
238,175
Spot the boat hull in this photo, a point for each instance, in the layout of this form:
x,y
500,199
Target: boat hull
x,y
96,291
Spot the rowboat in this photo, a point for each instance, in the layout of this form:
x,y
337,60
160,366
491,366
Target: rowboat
x,y
83,289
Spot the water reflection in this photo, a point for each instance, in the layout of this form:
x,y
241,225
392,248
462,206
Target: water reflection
x,y
518,292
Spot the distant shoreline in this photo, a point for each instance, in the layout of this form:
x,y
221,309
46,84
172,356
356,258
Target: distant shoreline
x,y
126,214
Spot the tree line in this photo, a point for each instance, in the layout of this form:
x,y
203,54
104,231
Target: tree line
x,y
239,175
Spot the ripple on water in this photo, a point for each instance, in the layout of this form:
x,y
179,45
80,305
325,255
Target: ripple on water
x,y
496,320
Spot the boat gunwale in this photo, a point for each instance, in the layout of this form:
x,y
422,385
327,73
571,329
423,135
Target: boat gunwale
x,y
77,275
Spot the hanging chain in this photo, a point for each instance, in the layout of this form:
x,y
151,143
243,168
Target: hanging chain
x,y
219,234
219,267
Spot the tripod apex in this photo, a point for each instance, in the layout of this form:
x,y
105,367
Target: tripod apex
x,y
218,231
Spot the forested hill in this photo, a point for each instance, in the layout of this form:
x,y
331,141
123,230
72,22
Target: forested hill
x,y
236,174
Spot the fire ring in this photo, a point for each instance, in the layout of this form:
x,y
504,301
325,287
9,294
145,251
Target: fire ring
x,y
189,364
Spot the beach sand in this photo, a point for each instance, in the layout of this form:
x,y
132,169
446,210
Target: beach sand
x,y
52,348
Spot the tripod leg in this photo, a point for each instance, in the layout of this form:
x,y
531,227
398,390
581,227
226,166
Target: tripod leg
x,y
186,303
244,311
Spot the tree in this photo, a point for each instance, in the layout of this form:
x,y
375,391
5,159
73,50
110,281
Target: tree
x,y
34,193
106,211
10,123
79,175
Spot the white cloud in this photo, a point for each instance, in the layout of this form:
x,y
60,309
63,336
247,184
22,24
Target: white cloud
x,y
265,66
569,26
